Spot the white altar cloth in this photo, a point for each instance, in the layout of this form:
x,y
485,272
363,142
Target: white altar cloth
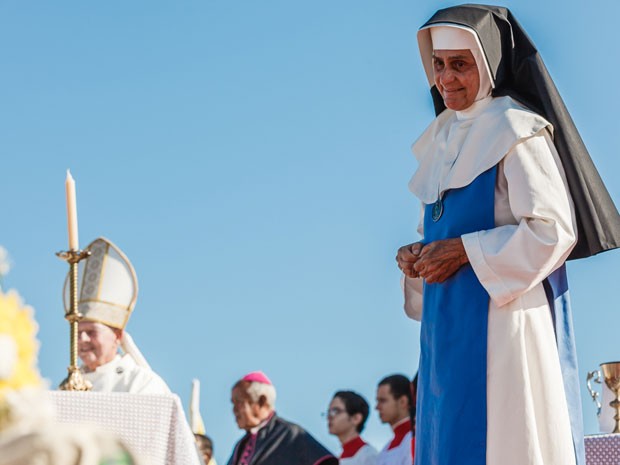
x,y
152,426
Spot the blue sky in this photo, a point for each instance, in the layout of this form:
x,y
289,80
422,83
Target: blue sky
x,y
252,159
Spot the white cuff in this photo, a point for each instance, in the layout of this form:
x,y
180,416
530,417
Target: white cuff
x,y
491,282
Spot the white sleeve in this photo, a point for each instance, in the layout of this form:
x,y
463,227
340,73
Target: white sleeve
x,y
420,227
511,259
413,287
148,382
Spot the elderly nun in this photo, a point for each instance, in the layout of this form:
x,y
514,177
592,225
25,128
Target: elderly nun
x,y
509,193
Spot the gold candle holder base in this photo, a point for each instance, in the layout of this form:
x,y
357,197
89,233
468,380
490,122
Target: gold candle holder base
x,y
74,380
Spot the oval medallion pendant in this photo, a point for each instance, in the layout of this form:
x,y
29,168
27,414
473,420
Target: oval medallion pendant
x,y
437,210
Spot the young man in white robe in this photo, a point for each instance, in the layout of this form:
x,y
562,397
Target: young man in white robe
x,y
393,406
346,418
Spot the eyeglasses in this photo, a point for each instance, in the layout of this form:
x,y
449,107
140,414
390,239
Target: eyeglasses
x,y
332,412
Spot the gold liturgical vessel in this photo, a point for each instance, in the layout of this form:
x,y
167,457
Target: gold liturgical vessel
x,y
610,372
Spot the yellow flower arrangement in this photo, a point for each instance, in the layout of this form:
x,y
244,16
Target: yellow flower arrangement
x,y
17,322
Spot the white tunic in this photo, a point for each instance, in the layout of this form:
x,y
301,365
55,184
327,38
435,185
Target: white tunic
x,y
527,413
367,455
123,375
399,455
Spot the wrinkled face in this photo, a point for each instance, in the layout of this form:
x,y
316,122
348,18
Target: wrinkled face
x,y
456,77
247,413
339,421
388,407
97,343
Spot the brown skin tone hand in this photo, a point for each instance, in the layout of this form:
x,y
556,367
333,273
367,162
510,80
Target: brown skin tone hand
x,y
435,262
440,259
406,258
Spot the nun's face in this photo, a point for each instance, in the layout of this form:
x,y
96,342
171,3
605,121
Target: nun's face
x,y
456,77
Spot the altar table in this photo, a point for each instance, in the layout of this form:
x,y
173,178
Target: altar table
x,y
152,426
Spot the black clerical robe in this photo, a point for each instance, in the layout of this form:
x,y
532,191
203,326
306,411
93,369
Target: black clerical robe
x,y
280,442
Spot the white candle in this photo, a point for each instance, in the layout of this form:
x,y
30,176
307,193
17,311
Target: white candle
x,y
71,212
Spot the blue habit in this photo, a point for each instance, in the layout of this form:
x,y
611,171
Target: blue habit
x,y
452,379
452,389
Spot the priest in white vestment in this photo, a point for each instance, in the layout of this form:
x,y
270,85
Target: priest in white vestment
x,y
108,289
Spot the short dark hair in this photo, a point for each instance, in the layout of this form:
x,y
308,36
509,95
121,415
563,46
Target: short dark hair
x,y
399,386
354,403
203,441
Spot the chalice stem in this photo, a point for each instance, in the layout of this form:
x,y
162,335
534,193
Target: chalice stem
x,y
616,405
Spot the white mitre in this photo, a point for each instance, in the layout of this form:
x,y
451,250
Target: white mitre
x,y
107,291
107,285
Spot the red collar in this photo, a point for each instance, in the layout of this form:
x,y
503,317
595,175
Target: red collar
x,y
400,431
350,448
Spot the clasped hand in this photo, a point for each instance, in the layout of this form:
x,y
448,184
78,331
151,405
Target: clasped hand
x,y
435,261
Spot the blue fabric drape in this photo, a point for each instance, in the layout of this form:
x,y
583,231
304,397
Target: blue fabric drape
x,y
556,288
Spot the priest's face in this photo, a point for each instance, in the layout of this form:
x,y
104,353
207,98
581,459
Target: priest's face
x,y
456,77
97,343
247,413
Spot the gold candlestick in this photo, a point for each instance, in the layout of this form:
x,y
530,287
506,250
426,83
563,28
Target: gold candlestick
x,y
74,380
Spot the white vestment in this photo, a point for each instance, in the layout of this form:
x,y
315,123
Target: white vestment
x,y
123,375
399,455
367,455
527,413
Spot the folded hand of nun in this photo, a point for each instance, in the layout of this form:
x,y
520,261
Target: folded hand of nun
x,y
440,259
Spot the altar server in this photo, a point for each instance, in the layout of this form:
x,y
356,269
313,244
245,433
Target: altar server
x,y
394,406
346,417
